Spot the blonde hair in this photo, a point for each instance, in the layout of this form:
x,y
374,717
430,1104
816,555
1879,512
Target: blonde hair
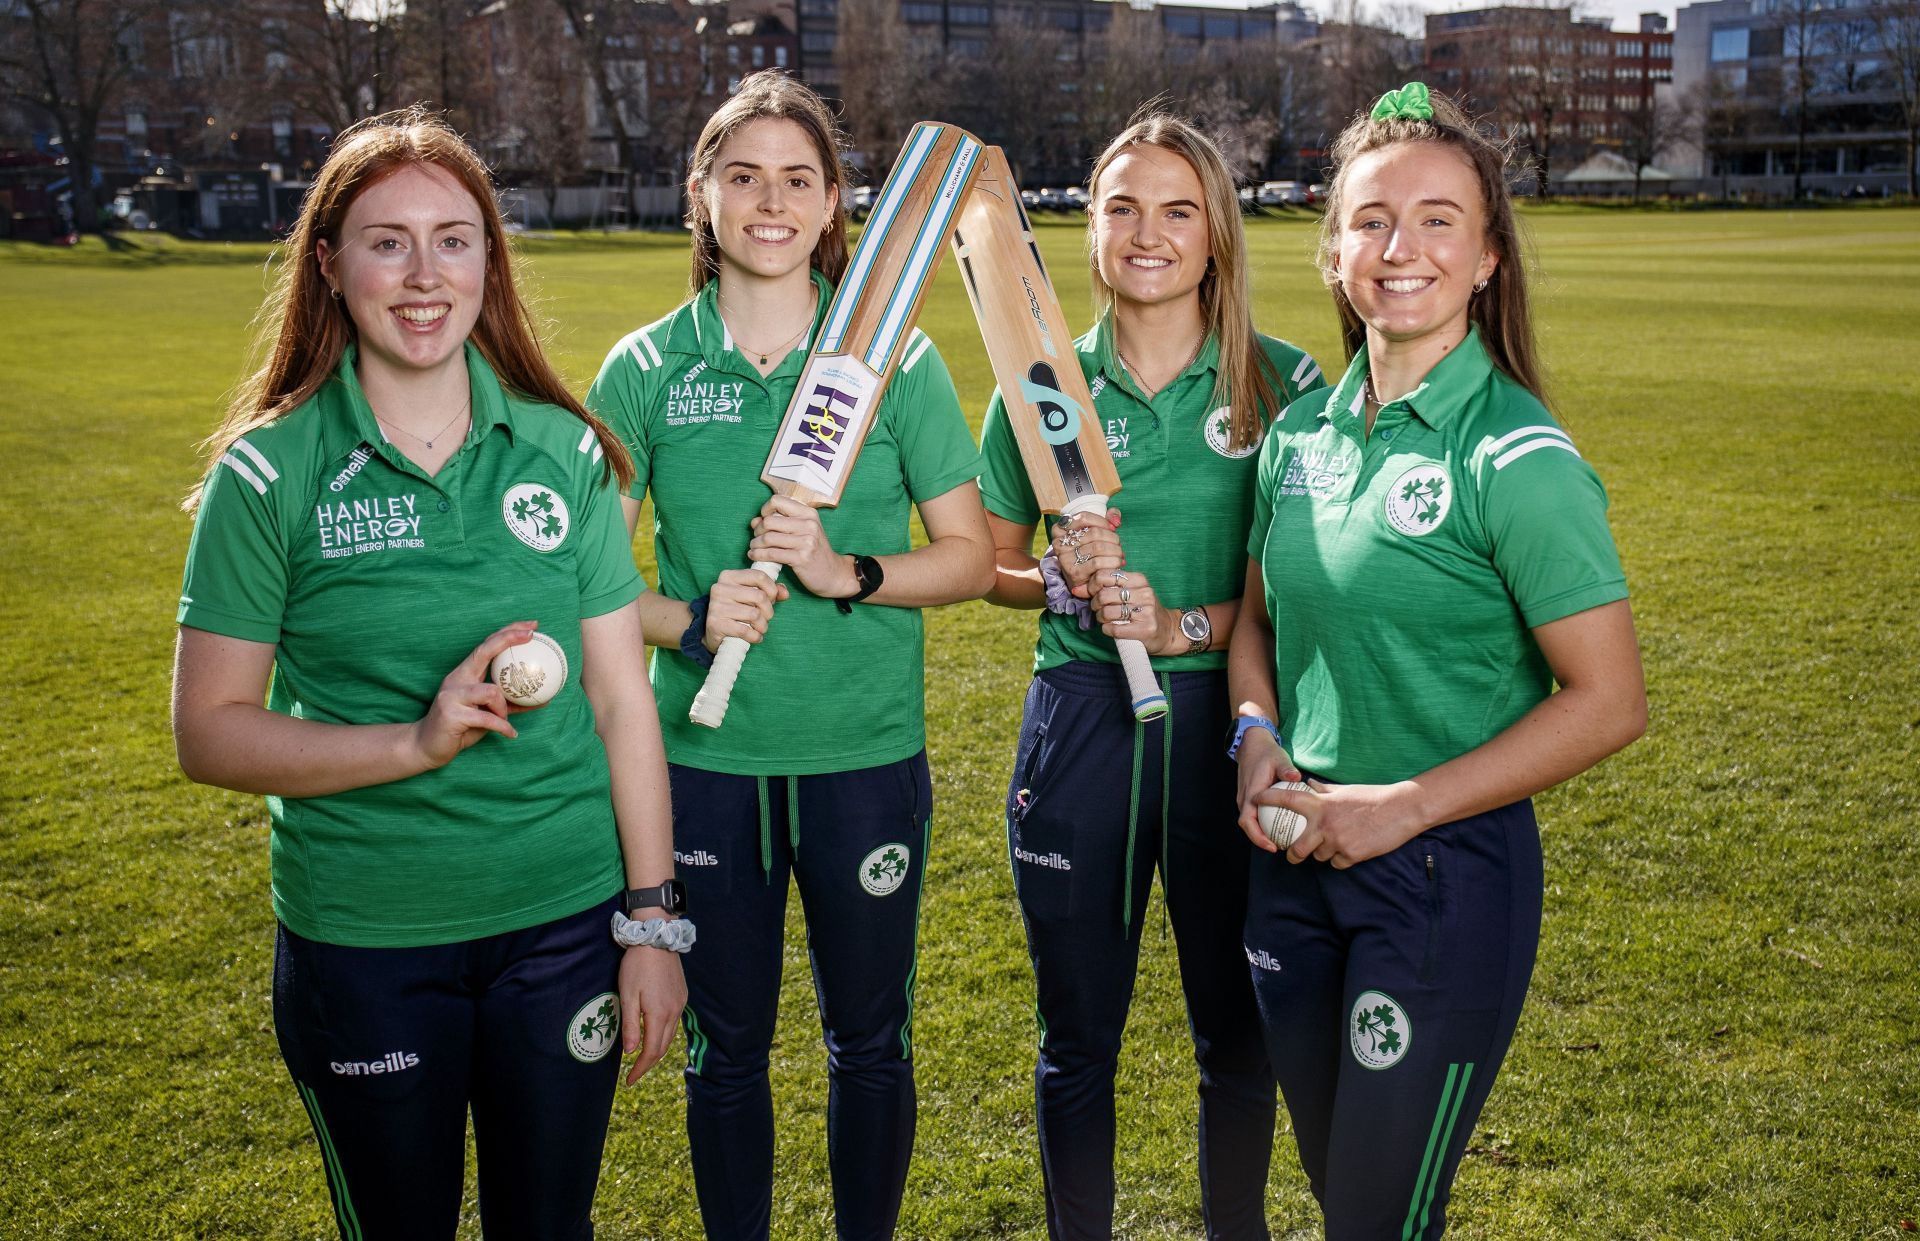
x,y
1501,310
768,93
1246,379
305,330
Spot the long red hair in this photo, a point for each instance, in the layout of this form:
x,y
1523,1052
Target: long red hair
x,y
304,329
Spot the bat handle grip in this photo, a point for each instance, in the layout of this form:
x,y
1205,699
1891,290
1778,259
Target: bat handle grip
x,y
1149,703
710,704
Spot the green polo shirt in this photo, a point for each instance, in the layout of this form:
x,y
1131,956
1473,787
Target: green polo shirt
x,y
1185,498
825,691
372,581
1406,569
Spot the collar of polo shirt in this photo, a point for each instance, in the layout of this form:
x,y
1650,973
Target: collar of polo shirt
x,y
1099,344
697,330
1438,398
349,420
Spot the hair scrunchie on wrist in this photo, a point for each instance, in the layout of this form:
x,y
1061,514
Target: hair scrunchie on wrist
x,y
672,934
1411,102
1060,596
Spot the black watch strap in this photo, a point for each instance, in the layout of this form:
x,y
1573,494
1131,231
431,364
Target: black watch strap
x,y
670,896
866,571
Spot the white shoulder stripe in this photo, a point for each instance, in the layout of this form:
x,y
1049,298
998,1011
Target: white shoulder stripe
x,y
1508,457
239,467
260,463
587,441
1525,432
643,351
1305,371
917,344
598,452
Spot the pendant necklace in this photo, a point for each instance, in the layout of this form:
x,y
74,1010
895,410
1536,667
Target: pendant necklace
x,y
437,434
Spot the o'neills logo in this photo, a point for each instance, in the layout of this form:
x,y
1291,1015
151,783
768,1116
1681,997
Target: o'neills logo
x,y
392,1062
1052,861
355,460
1263,960
699,857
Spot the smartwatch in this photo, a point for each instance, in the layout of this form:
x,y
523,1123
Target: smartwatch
x,y
670,896
867,572
1197,628
1246,724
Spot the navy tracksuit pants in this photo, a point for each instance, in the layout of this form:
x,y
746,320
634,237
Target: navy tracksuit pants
x,y
1096,802
390,1047
1390,991
855,843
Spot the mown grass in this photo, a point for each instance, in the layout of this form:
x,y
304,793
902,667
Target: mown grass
x,y
1724,1031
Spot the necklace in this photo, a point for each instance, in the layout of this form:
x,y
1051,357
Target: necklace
x,y
783,346
1178,371
437,434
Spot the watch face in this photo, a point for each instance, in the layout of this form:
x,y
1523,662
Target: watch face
x,y
1194,625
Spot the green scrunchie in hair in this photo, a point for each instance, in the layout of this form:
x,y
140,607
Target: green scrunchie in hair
x,y
1410,103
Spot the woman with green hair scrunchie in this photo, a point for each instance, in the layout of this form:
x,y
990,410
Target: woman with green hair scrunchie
x,y
1429,559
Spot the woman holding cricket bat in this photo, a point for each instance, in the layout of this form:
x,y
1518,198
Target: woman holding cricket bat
x,y
1184,388
1429,558
820,771
403,480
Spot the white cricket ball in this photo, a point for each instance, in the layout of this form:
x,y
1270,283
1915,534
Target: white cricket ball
x,y
1282,825
532,673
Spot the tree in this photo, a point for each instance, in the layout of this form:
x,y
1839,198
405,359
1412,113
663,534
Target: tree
x,y
77,56
344,55
886,86
1715,117
1649,130
1799,74
1897,31
437,55
1122,67
608,52
1013,93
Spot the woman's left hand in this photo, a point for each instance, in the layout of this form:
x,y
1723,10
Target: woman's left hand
x,y
1349,823
1126,607
789,533
653,991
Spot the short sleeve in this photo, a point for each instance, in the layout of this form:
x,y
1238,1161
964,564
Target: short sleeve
x,y
1266,480
1545,514
617,399
1004,485
608,579
236,577
937,451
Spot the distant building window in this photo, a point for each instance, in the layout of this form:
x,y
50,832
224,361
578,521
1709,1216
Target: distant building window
x,y
759,56
136,123
780,57
818,41
915,11
1098,20
1187,24
969,14
1729,43
1222,28
968,47
733,55
1064,19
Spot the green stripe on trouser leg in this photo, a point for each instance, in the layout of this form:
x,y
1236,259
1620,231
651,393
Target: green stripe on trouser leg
x,y
1451,1094
336,1175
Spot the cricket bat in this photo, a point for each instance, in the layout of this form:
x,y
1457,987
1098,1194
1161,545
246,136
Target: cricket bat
x,y
860,343
1062,444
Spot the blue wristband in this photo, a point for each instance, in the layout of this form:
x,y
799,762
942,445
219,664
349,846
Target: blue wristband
x,y
693,643
1247,723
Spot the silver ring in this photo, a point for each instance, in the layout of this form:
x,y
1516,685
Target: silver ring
x,y
1125,620
1081,558
1072,538
1126,596
1119,578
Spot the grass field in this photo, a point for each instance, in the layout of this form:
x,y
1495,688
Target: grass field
x,y
1723,1037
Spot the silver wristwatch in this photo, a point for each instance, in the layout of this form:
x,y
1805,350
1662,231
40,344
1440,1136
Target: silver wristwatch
x,y
1197,629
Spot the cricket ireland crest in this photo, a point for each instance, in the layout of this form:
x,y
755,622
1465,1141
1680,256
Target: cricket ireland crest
x,y
885,869
1379,1030
1419,499
536,514
591,1032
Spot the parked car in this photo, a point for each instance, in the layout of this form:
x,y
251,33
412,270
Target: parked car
x,y
1316,193
860,206
1282,194
1030,199
1076,197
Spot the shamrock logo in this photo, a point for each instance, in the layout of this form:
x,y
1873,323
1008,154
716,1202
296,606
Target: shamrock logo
x,y
1379,1030
885,869
593,1030
536,515
1418,501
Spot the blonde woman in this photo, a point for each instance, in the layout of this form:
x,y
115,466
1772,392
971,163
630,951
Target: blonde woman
x,y
1184,388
